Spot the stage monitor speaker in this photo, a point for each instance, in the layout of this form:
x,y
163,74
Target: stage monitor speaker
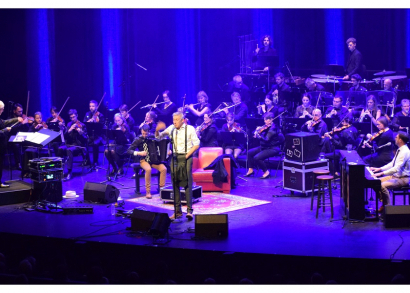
x,y
302,146
142,220
100,193
397,216
211,226
160,225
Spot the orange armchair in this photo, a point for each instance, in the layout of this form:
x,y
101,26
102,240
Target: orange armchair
x,y
204,177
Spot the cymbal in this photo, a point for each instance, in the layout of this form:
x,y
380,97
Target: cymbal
x,y
384,73
367,81
391,77
319,75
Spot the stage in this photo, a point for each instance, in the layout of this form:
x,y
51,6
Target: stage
x,y
284,228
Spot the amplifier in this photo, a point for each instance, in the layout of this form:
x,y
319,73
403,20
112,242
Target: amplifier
x,y
47,175
78,210
302,146
167,194
46,163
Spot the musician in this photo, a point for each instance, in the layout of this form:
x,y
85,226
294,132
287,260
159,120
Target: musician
x,y
237,85
56,123
388,85
128,118
76,142
379,140
164,111
207,132
337,112
356,87
185,143
267,49
313,86
4,130
240,111
396,173
354,64
267,107
145,148
316,125
271,138
199,110
277,91
306,109
150,117
405,106
116,150
94,116
372,111
232,126
16,147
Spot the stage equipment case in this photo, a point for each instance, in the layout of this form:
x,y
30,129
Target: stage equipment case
x,y
298,176
167,194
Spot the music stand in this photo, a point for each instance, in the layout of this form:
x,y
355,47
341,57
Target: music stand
x,y
95,129
329,123
326,99
363,127
294,124
266,61
119,138
334,70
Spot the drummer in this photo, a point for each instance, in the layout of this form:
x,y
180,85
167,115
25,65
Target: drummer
x,y
313,86
356,87
388,85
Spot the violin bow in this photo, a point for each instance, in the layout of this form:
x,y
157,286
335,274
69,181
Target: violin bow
x,y
153,104
134,106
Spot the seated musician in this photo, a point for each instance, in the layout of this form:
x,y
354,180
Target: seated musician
x,y
337,112
150,121
396,173
207,132
232,126
356,87
197,111
165,110
305,110
145,148
313,86
271,139
76,142
316,125
95,140
277,92
383,153
388,85
240,111
268,106
337,140
395,124
237,85
56,123
117,149
372,111
128,118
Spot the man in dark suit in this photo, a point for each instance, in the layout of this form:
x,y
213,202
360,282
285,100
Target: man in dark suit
x,y
355,63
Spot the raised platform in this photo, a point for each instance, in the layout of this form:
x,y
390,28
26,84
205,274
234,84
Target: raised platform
x,y
18,192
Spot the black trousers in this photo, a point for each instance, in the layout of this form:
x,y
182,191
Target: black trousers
x,y
188,187
70,152
257,157
1,165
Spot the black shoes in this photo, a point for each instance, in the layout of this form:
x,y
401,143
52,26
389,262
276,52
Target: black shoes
x,y
68,177
265,177
250,174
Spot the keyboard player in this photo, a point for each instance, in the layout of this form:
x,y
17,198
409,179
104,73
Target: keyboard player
x,y
396,173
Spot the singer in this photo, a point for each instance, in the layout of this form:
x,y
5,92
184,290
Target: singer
x,y
396,173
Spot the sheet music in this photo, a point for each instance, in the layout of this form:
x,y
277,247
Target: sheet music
x,y
22,136
37,138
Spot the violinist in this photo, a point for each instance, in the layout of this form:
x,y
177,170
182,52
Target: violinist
x,y
56,123
116,150
337,112
380,141
95,140
4,130
207,132
240,111
198,111
268,106
405,106
232,126
271,138
150,121
306,109
38,123
165,110
76,142
316,125
372,111
128,118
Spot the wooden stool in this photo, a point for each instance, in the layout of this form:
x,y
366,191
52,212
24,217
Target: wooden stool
x,y
315,174
321,193
405,190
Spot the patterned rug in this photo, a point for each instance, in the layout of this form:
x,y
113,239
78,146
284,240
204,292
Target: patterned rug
x,y
209,203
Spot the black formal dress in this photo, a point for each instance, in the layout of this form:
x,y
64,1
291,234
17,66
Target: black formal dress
x,y
208,137
383,155
165,112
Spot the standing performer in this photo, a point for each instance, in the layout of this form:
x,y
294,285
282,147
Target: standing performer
x,y
271,138
306,109
94,116
76,142
354,64
4,130
145,148
165,110
185,143
232,126
380,140
200,109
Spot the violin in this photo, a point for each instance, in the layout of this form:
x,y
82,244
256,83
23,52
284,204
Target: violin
x,y
312,123
95,118
78,124
42,125
337,130
30,119
258,131
58,118
202,127
234,127
376,135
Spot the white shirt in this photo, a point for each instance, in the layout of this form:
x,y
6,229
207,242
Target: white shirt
x,y
401,162
179,137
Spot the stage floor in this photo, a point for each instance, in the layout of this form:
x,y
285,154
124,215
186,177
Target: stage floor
x,y
286,226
